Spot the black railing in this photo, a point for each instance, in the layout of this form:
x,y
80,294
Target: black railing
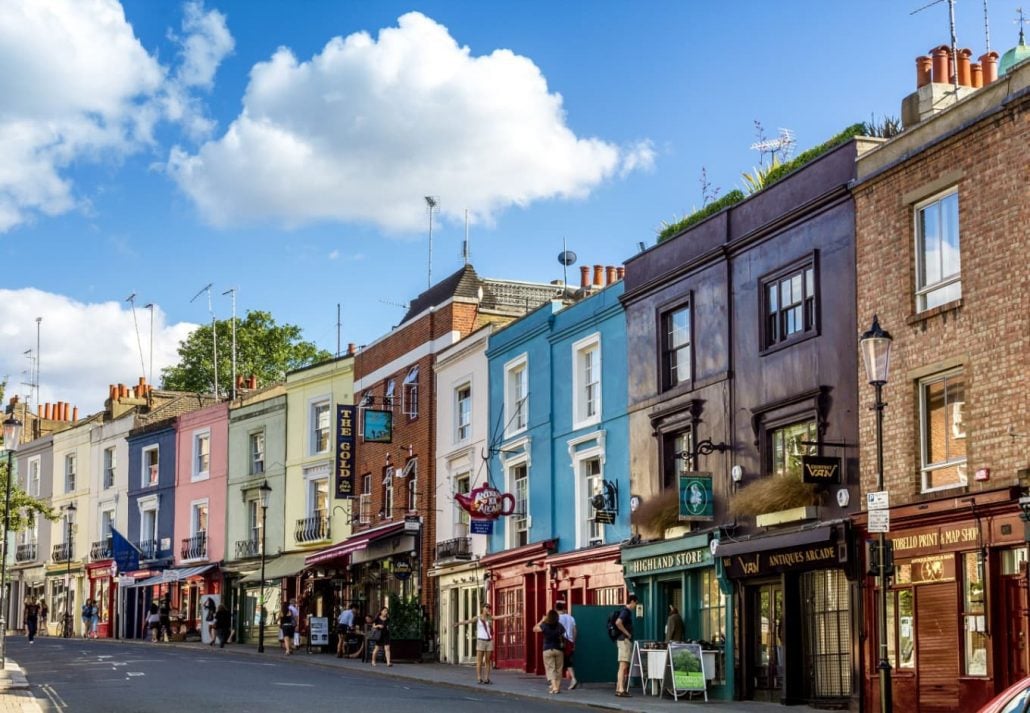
x,y
148,549
100,550
194,548
312,529
62,552
458,548
247,548
26,552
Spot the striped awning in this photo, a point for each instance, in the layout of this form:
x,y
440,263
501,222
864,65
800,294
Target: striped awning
x,y
170,576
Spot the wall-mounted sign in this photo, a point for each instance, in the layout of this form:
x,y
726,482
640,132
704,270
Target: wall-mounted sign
x,y
344,485
927,570
481,527
402,569
377,426
486,502
696,501
795,559
662,563
822,470
952,537
606,503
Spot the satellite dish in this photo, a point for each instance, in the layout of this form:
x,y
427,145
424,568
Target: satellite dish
x,y
567,257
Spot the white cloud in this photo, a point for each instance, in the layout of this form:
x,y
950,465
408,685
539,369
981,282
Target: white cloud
x,y
85,89
334,254
85,346
365,128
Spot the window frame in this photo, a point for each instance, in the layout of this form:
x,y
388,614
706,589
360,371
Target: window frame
x,y
516,373
387,493
145,480
199,473
110,457
774,427
365,500
922,290
665,349
314,429
811,322
389,394
33,475
257,465
464,518
585,531
959,463
463,417
71,468
411,468
410,389
518,523
584,353
144,510
195,508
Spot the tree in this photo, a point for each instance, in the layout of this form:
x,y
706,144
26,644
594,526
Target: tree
x,y
263,349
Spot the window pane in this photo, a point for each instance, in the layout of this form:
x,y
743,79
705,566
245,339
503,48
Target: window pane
x,y
774,303
809,282
950,258
929,245
787,448
906,629
936,426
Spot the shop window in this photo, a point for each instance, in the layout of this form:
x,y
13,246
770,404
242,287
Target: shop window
x,y
608,596
942,430
938,264
974,619
901,629
826,603
712,619
1013,561
788,444
789,305
676,347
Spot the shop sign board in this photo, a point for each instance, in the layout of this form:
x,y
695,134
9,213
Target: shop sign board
x,y
674,560
377,425
481,527
927,570
796,559
344,484
696,501
688,668
821,470
937,539
318,631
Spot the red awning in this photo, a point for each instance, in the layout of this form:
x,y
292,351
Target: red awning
x,y
354,543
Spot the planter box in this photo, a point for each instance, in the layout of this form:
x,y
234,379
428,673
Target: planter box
x,y
406,649
783,517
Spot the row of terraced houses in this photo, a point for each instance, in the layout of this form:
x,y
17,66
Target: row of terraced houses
x,y
684,388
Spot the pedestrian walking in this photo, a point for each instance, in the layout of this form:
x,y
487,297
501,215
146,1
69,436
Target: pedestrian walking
x,y
295,611
674,625
223,623
165,618
94,619
569,623
484,641
154,622
344,626
554,646
624,642
287,627
44,616
87,617
32,619
209,619
380,635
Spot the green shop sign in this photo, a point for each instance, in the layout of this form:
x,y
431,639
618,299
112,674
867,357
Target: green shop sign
x,y
696,501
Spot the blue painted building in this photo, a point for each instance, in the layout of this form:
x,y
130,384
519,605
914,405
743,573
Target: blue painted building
x,y
559,434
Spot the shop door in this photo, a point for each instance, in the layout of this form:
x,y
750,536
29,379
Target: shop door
x,y
1015,615
510,632
938,641
469,609
767,641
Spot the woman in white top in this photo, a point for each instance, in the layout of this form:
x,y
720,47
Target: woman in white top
x,y
484,640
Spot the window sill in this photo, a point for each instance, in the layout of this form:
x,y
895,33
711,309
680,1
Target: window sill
x,y
789,342
925,315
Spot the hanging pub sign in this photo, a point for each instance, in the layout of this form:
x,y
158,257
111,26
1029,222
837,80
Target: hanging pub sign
x,y
823,470
344,451
402,569
377,426
606,503
696,502
486,502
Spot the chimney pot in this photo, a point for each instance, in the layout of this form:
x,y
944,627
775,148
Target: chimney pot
x,y
352,349
75,414
610,276
584,276
620,272
142,381
963,67
989,65
65,410
112,392
252,381
976,74
44,411
598,275
941,58
924,71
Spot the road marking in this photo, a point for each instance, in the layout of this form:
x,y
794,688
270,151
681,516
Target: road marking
x,y
135,673
297,685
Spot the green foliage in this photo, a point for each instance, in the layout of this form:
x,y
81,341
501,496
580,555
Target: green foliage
x,y
670,229
886,128
807,156
25,509
405,618
756,180
263,348
686,661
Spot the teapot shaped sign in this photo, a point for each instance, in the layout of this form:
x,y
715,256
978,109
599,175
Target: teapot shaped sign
x,y
486,502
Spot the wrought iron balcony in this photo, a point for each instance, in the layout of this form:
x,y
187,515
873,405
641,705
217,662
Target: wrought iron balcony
x,y
458,548
148,549
100,550
248,548
62,552
312,529
26,552
195,548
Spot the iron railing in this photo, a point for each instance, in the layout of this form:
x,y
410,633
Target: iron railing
x,y
195,548
458,548
26,552
100,550
312,529
62,552
247,548
148,549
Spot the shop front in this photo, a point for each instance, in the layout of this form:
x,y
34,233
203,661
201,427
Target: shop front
x,y
265,597
62,592
796,615
103,588
681,572
461,593
957,606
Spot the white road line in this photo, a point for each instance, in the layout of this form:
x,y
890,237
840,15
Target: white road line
x,y
297,685
135,673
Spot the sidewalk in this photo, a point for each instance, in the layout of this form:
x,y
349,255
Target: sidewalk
x,y
15,696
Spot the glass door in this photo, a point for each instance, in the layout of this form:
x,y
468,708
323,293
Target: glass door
x,y
767,633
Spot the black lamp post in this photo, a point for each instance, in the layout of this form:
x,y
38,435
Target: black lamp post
x,y
263,492
12,434
69,510
876,353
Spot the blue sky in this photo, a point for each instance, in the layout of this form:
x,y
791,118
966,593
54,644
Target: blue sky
x,y
153,148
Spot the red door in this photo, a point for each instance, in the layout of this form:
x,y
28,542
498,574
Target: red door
x,y
509,632
1015,616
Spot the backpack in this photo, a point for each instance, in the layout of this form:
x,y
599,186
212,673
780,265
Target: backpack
x,y
87,611
613,629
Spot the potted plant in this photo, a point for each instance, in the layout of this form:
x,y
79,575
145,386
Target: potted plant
x,y
406,629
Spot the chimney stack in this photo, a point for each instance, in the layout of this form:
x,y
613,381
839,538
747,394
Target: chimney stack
x,y
584,277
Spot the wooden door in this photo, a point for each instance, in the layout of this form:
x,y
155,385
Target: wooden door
x,y
937,642
1015,617
510,632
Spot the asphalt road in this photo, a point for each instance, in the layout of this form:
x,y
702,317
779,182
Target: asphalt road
x,y
85,676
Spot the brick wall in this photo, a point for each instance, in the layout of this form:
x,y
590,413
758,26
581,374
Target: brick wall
x,y
987,332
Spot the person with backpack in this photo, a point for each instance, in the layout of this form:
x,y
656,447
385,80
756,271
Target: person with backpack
x,y
554,648
623,626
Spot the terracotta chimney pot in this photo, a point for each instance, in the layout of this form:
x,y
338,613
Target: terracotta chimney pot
x,y
66,409
143,381
75,414
352,349
976,74
44,411
598,275
941,59
610,277
964,78
620,272
252,381
924,71
111,392
989,64
584,276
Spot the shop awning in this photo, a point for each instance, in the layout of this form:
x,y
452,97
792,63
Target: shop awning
x,y
281,566
798,538
170,576
355,543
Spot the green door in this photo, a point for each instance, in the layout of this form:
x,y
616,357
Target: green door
x,y
595,659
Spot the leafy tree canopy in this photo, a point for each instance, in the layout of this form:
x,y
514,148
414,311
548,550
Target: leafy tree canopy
x,y
263,348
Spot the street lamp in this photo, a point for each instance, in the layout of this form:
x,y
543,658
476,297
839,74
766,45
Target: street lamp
x,y
876,354
12,433
263,492
69,510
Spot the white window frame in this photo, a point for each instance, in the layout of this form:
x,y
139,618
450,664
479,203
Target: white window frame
x,y
148,505
388,497
110,464
389,394
516,395
577,459
410,392
67,526
257,465
463,518
105,510
195,506
463,420
197,473
145,481
71,467
518,522
924,467
411,469
313,428
586,358
253,509
313,484
365,500
33,469
923,290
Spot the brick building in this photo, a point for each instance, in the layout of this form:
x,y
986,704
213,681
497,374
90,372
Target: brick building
x,y
942,216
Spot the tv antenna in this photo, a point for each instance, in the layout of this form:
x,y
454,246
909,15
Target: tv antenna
x,y
466,248
782,145
150,306
131,299
232,291
214,332
566,257
954,38
394,304
33,361
431,203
